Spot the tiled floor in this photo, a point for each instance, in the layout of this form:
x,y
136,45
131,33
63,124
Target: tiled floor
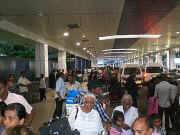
x,y
43,111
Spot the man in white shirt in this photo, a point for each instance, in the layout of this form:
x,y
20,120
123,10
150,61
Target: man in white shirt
x,y
9,98
130,112
85,119
60,94
23,83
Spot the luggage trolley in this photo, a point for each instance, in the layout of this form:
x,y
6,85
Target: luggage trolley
x,y
73,99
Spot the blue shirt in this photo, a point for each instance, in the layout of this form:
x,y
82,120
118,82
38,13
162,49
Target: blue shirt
x,y
60,88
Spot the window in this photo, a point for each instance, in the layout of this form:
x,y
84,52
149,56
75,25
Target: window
x,y
132,70
154,70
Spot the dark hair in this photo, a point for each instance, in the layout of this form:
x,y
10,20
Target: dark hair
x,y
116,115
145,120
2,107
42,75
19,130
3,81
19,108
154,117
59,74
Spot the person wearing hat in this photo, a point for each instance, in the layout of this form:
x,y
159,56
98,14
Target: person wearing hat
x,y
96,89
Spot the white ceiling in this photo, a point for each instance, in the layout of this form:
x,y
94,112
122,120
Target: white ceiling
x,y
49,19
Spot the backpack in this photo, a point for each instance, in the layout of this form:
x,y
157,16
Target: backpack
x,y
58,127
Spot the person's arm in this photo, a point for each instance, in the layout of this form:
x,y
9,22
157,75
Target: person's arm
x,y
71,118
156,92
173,93
29,110
102,113
29,118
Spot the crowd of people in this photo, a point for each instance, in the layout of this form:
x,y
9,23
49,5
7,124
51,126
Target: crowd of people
x,y
137,110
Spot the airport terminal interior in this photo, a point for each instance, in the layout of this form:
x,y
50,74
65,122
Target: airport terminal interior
x,y
90,67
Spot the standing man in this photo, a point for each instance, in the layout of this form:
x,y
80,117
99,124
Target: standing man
x,y
23,83
97,91
60,94
163,91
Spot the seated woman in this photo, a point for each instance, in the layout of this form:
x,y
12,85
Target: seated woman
x,y
130,112
85,119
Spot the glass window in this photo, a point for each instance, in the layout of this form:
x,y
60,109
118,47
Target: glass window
x,y
132,70
154,70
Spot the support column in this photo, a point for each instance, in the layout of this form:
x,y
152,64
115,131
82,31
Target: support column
x,y
168,59
172,57
41,60
62,60
158,58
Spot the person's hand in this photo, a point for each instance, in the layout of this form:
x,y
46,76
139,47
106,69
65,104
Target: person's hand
x,y
107,126
125,126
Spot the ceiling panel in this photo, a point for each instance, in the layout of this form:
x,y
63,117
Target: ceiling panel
x,y
49,18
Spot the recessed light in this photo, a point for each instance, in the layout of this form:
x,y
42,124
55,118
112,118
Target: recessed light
x,y
83,36
84,49
78,43
177,32
87,51
66,34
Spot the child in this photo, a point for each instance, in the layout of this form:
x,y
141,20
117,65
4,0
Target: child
x,y
118,124
14,114
156,124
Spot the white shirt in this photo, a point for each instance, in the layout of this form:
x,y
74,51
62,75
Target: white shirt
x,y
42,83
163,92
86,123
60,87
24,81
130,115
15,98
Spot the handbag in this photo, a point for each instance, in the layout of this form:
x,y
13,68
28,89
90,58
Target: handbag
x,y
152,105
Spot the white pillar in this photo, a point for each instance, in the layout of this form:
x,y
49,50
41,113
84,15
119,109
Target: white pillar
x,y
168,59
62,60
158,58
172,57
41,57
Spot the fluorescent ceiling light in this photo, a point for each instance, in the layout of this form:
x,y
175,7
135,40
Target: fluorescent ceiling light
x,y
116,52
107,50
113,56
66,34
129,36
